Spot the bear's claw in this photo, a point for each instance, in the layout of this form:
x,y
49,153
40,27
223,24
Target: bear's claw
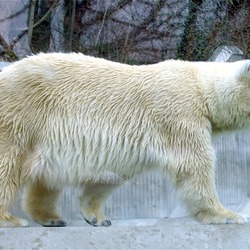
x,y
55,223
106,223
103,223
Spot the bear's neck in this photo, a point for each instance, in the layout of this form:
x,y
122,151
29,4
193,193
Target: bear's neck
x,y
220,91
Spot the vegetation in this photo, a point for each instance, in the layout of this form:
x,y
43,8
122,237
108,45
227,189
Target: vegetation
x,y
139,31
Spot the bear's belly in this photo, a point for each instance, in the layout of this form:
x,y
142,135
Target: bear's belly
x,y
68,166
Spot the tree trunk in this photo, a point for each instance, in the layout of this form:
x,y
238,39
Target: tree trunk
x,y
57,28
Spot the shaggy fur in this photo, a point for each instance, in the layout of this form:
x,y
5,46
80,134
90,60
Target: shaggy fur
x,y
70,119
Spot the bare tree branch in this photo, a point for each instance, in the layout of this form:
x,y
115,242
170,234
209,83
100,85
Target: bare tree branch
x,y
35,25
45,15
16,13
108,13
31,21
72,23
137,29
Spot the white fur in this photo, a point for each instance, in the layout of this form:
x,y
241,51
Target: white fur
x,y
75,118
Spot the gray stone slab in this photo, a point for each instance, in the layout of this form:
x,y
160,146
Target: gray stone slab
x,y
227,54
130,234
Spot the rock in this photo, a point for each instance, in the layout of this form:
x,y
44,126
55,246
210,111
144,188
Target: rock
x,y
227,54
3,64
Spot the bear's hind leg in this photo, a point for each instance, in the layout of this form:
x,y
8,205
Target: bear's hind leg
x,y
10,164
93,202
40,203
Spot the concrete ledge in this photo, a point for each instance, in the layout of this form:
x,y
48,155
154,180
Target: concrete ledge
x,y
179,233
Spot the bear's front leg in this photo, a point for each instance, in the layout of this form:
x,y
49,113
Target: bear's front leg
x,y
93,200
198,191
196,184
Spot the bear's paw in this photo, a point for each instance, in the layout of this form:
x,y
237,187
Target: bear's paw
x,y
54,223
226,217
14,222
101,221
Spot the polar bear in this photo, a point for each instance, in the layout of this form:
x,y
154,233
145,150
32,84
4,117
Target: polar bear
x,y
71,119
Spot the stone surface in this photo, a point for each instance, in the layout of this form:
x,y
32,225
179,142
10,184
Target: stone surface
x,y
130,234
227,54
